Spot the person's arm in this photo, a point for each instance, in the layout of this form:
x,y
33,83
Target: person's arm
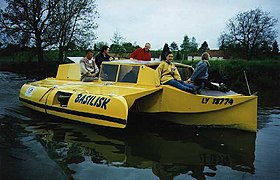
x,y
98,60
176,74
158,74
134,54
96,70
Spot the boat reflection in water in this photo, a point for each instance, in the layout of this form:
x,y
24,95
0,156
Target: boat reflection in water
x,y
167,152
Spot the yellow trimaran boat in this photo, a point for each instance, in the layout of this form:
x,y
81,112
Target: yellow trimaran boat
x,y
107,100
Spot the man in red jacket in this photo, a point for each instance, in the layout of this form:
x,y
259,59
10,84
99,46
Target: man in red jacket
x,y
142,54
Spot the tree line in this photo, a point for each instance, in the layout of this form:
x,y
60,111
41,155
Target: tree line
x,y
119,46
65,25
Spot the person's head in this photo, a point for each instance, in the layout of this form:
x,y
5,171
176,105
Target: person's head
x,y
104,49
147,47
205,56
89,54
169,56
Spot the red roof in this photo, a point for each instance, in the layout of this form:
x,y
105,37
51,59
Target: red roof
x,y
216,53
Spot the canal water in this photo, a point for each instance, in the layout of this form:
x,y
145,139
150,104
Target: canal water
x,y
38,146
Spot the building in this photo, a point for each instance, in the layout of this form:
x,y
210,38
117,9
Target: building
x,y
214,55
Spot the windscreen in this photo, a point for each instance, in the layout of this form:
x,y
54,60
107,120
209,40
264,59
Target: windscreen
x,y
128,74
108,72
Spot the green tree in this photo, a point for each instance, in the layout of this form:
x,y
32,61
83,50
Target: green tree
x,y
115,48
164,51
31,23
128,47
178,55
117,38
204,47
275,48
71,46
249,30
75,23
222,44
99,45
174,46
48,24
193,44
265,50
186,45
117,41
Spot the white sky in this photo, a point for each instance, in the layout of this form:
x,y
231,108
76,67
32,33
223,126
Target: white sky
x,y
165,21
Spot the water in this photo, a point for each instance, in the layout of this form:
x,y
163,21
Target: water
x,y
38,146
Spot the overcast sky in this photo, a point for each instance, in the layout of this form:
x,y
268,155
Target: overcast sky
x,y
165,21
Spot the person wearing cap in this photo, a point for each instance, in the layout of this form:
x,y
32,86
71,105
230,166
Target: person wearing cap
x,y
142,54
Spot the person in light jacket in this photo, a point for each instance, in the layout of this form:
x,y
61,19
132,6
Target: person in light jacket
x,y
89,69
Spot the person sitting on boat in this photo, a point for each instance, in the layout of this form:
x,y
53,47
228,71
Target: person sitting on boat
x,y
103,56
200,75
142,54
167,73
89,68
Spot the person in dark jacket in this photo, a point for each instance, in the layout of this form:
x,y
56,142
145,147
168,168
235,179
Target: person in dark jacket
x,y
103,56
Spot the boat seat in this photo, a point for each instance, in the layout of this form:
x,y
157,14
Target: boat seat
x,y
69,72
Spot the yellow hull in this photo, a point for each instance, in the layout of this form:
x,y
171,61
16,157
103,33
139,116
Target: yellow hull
x,y
233,111
104,105
85,107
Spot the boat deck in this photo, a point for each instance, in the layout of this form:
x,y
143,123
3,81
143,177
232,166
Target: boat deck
x,y
208,92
